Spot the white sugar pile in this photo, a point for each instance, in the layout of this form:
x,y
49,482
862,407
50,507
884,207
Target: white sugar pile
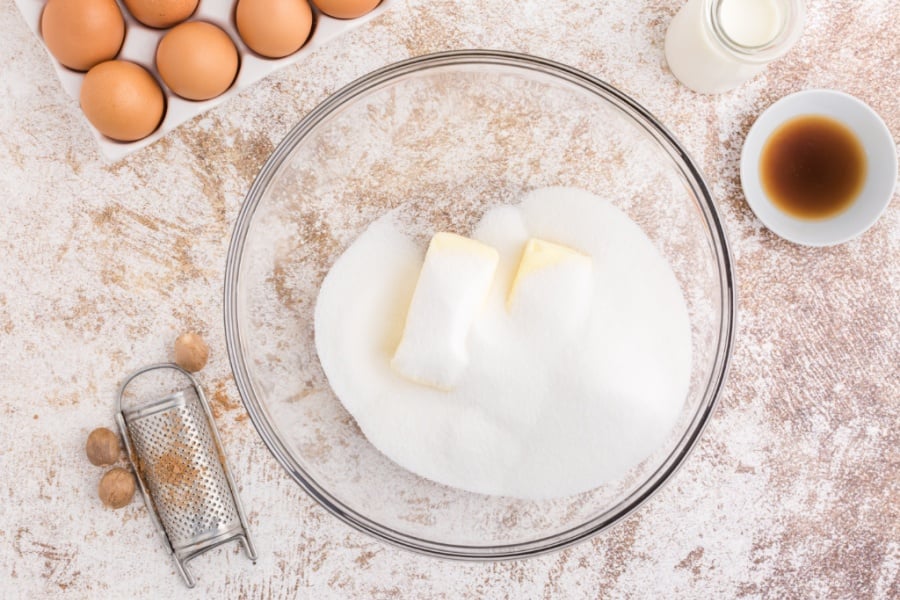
x,y
544,409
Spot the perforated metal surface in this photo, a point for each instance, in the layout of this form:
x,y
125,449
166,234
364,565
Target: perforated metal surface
x,y
183,472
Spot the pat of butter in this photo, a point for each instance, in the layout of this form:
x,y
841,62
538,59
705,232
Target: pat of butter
x,y
451,290
553,282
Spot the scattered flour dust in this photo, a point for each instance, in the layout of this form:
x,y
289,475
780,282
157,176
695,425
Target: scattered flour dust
x,y
544,409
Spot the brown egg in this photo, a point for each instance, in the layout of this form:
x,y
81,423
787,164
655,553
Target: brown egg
x,y
161,13
273,28
197,60
122,100
346,9
82,33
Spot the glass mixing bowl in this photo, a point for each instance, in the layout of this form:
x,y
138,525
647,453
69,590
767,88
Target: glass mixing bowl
x,y
445,137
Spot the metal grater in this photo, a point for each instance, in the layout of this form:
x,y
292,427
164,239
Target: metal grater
x,y
176,453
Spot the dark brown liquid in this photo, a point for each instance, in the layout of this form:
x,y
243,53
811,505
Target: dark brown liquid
x,y
813,167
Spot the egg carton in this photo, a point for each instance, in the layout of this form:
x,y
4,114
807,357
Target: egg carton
x,y
140,47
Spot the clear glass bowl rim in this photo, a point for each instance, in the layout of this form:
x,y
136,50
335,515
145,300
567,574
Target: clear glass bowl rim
x,y
715,383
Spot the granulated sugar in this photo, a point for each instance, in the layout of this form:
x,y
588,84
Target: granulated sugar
x,y
546,407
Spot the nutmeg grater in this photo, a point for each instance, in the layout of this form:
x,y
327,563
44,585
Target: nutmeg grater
x,y
176,453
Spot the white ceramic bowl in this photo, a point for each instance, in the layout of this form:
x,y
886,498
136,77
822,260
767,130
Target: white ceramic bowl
x,y
881,175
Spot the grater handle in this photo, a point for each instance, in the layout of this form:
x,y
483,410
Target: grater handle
x,y
157,367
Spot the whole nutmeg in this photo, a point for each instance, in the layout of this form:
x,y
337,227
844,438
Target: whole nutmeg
x,y
102,447
116,488
191,352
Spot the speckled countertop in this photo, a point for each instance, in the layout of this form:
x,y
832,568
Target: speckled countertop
x,y
792,491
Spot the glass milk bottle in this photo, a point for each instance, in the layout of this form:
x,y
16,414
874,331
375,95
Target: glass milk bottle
x,y
713,46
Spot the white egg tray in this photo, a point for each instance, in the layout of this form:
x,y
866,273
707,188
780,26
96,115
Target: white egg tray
x,y
140,47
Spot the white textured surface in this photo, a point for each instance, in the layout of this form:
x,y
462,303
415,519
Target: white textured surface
x,y
790,493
